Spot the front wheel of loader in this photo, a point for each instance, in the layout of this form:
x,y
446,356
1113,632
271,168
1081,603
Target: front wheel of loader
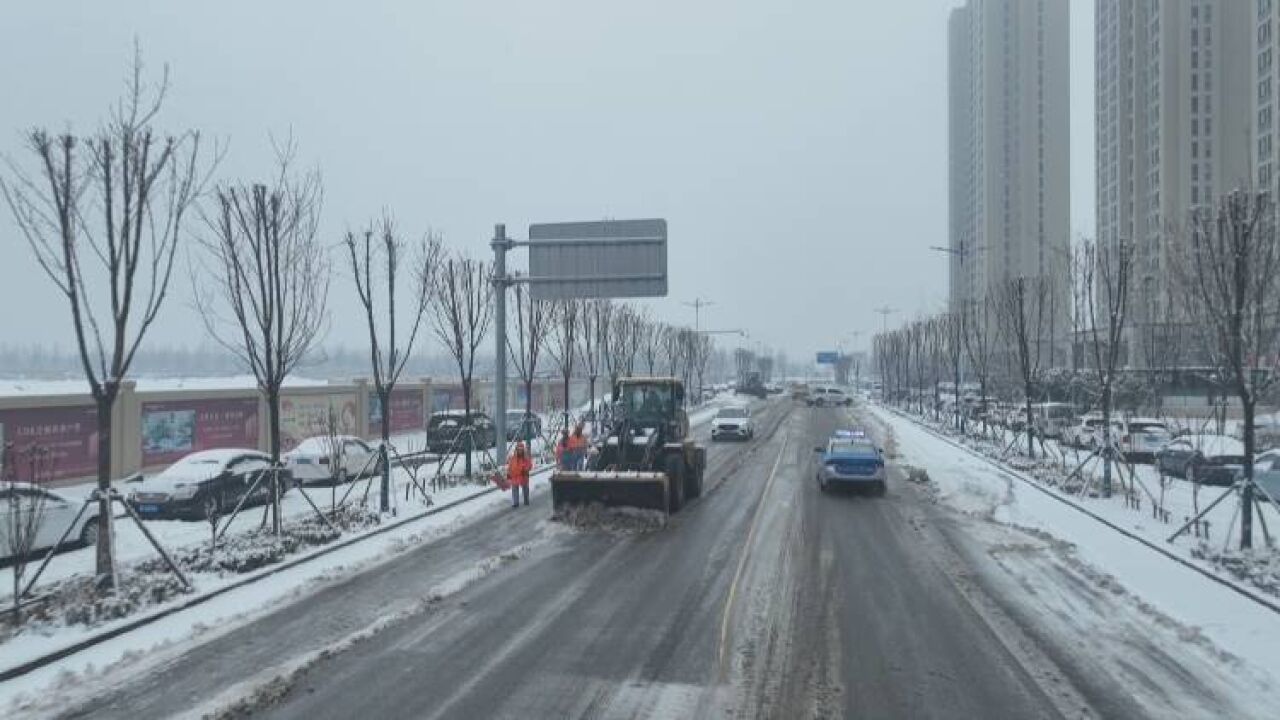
x,y
675,483
693,479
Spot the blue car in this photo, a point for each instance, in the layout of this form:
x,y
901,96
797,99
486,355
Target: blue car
x,y
853,462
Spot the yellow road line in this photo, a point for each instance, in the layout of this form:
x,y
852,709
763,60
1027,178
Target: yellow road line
x,y
742,559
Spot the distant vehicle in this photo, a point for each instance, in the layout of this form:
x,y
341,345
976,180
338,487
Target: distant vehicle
x,y
310,462
1081,435
205,484
773,389
456,431
829,397
851,462
1053,418
1142,438
57,512
733,423
1204,459
752,385
800,392
521,425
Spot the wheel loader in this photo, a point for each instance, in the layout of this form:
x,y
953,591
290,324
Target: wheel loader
x,y
644,459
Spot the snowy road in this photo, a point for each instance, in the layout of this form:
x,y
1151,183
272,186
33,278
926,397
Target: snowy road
x,y
765,599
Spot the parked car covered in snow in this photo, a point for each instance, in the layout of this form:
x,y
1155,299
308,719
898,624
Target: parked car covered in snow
x,y
311,461
1205,459
1266,474
55,515
206,483
733,423
1081,434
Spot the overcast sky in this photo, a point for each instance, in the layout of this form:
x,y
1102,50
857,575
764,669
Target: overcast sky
x,y
797,148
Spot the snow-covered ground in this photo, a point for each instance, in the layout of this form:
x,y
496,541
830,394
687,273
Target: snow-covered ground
x,y
1140,615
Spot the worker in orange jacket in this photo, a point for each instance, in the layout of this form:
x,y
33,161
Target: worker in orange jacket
x,y
562,447
518,468
578,445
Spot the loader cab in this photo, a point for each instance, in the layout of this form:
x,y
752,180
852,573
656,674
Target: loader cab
x,y
653,403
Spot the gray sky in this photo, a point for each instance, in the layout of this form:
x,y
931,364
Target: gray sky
x,y
797,148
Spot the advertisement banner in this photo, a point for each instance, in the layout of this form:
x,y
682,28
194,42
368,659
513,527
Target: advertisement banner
x,y
69,433
304,416
176,428
407,414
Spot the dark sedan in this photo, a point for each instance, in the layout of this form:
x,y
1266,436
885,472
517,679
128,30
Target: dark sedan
x,y
521,425
1204,459
454,431
206,484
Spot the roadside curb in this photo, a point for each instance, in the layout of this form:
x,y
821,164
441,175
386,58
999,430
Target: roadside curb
x,y
1239,589
43,660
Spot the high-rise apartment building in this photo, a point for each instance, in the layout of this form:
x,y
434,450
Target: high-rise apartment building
x,y
1174,98
1009,148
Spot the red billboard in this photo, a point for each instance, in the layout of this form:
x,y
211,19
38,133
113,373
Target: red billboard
x,y
407,414
69,433
176,428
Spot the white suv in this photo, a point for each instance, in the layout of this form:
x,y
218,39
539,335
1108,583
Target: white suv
x,y
733,423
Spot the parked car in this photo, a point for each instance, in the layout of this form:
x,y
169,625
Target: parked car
x,y
1266,473
57,512
310,462
1053,418
521,425
206,483
1206,459
1142,438
733,423
1081,434
455,431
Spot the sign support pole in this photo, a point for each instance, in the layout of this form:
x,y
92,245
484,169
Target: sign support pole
x,y
500,246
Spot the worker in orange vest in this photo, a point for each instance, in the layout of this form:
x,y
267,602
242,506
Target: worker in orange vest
x,y
518,468
562,447
578,445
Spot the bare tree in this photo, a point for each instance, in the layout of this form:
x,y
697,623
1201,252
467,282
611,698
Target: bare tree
x,y
376,255
463,311
954,325
270,277
1023,306
650,334
103,215
1229,266
1105,272
699,353
24,507
621,343
593,322
566,324
979,342
525,346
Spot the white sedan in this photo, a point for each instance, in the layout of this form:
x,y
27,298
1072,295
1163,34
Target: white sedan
x,y
311,460
55,513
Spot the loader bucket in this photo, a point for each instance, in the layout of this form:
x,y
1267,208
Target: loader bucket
x,y
643,490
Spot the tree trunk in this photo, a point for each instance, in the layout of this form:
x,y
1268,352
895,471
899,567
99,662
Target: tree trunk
x,y
566,402
528,412
273,442
1031,448
471,435
1248,405
384,501
106,566
1106,438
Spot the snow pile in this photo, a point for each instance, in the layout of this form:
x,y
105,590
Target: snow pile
x,y
621,520
1258,568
